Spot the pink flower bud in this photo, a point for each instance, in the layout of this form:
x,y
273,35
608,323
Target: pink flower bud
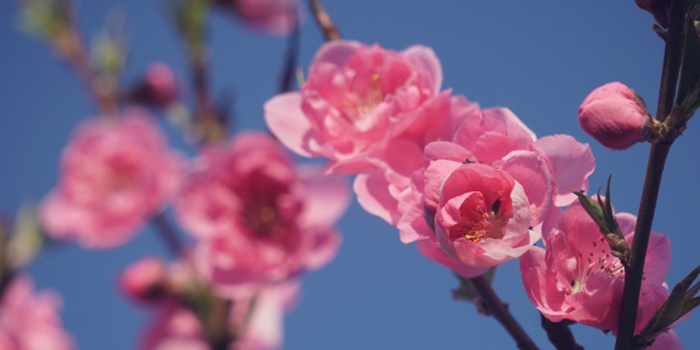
x,y
145,280
159,86
615,116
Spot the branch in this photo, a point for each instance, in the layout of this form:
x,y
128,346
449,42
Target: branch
x,y
560,335
495,307
329,30
652,181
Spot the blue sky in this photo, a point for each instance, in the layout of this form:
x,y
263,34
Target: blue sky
x,y
540,59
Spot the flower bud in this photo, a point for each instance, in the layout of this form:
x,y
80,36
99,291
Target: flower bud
x,y
615,116
158,87
145,281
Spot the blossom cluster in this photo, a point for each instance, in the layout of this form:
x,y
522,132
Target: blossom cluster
x,y
472,187
258,220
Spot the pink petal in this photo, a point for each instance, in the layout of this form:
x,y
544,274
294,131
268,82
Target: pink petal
x,y
336,52
667,341
572,163
431,250
374,195
326,198
288,123
426,57
533,174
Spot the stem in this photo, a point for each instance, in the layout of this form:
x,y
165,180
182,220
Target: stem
x,y
168,235
70,45
329,30
290,61
560,335
500,311
652,181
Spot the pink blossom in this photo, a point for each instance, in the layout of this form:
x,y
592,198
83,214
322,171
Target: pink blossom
x,y
259,218
355,97
114,176
159,86
576,278
615,116
29,320
178,327
482,217
274,17
145,280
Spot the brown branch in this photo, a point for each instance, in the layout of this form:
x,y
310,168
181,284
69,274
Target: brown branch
x,y
497,309
323,19
652,181
560,335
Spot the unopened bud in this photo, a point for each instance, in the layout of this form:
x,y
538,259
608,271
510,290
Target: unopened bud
x,y
158,87
615,116
145,280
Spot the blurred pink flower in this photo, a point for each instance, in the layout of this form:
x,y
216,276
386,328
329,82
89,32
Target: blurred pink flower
x,y
355,97
274,17
178,327
259,218
114,175
30,321
615,116
576,278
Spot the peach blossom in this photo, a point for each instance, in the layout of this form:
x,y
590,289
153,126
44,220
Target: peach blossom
x,y
178,327
114,175
259,219
355,97
30,320
576,278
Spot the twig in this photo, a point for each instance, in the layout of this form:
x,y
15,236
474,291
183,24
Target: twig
x,y
290,61
560,335
499,310
329,30
652,181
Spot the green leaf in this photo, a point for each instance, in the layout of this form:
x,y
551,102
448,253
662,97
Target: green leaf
x,y
27,238
692,291
593,208
689,305
690,67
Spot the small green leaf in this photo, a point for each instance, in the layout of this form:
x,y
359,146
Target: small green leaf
x,y
27,237
689,305
593,208
692,291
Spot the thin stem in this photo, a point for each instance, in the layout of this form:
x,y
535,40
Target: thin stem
x,y
500,311
652,181
329,30
560,335
168,235
673,55
70,45
290,61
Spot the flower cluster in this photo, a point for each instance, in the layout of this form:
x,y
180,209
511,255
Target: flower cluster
x,y
468,184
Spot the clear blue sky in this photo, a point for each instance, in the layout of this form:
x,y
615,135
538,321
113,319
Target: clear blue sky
x,y
539,58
